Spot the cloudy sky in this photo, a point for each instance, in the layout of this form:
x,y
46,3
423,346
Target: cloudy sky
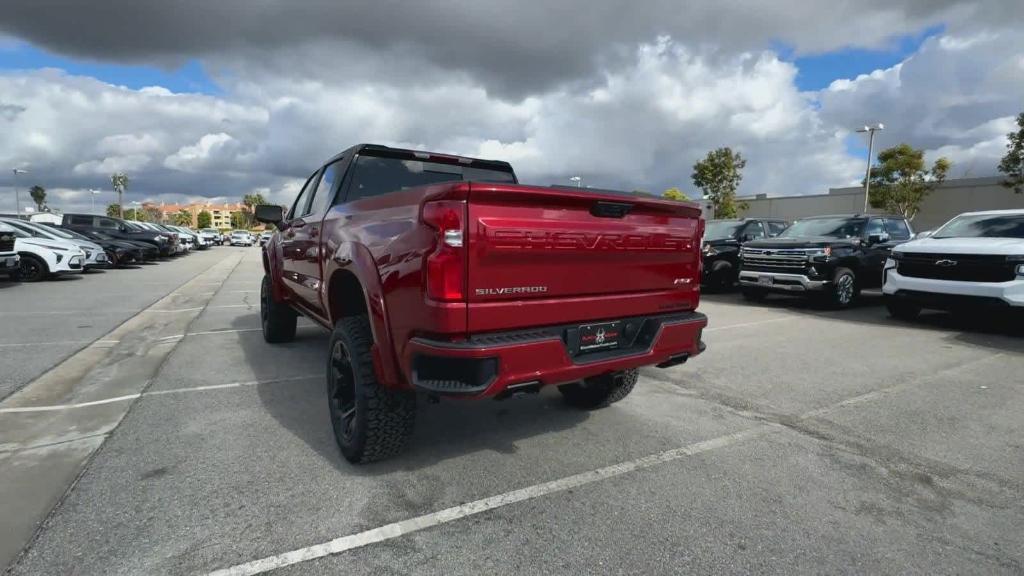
x,y
217,99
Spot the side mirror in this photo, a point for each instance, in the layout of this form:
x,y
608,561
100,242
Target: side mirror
x,y
746,237
878,238
269,214
923,234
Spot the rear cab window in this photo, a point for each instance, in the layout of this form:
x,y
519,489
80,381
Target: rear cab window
x,y
376,175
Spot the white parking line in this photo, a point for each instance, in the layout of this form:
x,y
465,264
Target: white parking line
x,y
745,324
55,407
403,527
56,342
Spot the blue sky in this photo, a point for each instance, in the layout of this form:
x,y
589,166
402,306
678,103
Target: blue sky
x,y
189,77
818,71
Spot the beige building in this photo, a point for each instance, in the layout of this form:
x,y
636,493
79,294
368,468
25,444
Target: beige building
x,y
220,214
951,198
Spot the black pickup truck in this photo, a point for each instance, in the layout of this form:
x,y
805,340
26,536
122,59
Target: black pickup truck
x,y
720,251
832,257
165,243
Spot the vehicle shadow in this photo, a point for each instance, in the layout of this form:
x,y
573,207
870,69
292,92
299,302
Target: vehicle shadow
x,y
998,331
444,430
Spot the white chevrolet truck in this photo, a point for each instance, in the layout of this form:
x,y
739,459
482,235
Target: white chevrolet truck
x,y
974,261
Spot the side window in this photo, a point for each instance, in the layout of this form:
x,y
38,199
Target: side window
x,y
107,223
897,229
875,226
325,188
754,230
81,220
299,207
775,228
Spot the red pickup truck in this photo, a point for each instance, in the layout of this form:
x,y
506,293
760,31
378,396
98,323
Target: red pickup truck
x,y
442,274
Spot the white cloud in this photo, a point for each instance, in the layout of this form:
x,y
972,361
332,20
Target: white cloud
x,y
640,122
956,97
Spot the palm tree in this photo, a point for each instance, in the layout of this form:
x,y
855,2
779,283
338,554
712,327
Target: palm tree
x,y
38,194
120,181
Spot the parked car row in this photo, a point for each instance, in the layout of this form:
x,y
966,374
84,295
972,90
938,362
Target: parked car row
x,y
33,251
976,260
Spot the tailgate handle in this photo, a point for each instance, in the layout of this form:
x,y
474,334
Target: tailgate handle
x,y
603,209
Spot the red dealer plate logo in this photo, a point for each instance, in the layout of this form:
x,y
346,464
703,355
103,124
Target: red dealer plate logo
x,y
600,336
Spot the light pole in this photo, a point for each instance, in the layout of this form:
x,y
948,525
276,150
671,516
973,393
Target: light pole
x,y
92,196
577,180
867,173
17,193
135,210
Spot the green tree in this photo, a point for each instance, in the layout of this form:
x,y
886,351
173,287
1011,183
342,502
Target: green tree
x,y
239,220
182,218
675,194
901,181
204,219
114,210
119,180
132,214
718,176
38,194
251,201
1013,163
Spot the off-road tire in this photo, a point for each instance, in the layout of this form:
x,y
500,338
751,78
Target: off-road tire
x,y
901,309
33,269
600,391
382,419
278,320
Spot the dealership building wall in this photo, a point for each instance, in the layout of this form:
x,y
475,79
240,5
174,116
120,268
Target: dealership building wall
x,y
948,200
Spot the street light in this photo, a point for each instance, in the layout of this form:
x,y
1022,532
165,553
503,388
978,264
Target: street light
x,y
92,196
867,173
135,213
17,194
577,180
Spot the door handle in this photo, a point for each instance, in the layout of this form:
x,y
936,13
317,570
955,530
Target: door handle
x,y
297,223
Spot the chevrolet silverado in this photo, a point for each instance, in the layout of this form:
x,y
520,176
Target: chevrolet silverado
x,y
441,274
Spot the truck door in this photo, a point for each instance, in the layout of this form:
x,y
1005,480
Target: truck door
x,y
876,245
292,248
302,239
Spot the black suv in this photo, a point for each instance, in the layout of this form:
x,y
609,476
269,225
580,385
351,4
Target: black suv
x,y
829,256
721,247
121,230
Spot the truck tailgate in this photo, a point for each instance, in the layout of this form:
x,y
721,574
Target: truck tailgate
x,y
543,256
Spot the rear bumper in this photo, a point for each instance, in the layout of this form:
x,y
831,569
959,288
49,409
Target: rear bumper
x,y
489,364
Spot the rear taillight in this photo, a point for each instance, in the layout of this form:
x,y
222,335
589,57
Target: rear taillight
x,y
446,265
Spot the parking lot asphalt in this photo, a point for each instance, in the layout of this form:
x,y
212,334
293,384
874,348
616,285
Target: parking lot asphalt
x,y
801,441
73,311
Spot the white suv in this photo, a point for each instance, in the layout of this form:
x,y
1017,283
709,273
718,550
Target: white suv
x,y
975,260
43,257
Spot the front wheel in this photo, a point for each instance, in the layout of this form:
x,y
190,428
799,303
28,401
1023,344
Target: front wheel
x,y
370,422
844,288
600,391
33,269
278,320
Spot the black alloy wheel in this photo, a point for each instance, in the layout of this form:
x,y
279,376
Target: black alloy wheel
x,y
342,392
